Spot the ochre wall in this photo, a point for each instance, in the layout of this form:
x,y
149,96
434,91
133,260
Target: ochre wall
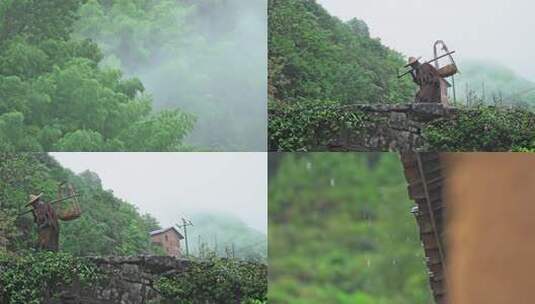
x,y
171,245
491,232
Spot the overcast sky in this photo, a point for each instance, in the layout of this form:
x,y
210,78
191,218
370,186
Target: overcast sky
x,y
498,30
171,185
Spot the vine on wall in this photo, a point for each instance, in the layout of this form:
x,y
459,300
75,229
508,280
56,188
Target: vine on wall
x,y
33,277
305,125
312,125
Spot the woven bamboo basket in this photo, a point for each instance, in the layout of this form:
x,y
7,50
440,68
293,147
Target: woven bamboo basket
x,y
71,213
73,210
448,70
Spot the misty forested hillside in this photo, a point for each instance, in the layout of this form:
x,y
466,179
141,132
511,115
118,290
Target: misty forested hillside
x,y
144,75
315,56
226,235
108,225
55,96
341,231
490,82
207,57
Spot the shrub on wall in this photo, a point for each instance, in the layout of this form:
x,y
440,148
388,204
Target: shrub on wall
x,y
311,125
305,125
34,277
483,128
216,280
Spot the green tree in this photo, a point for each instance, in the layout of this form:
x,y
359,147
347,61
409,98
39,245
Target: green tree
x,y
207,57
55,96
315,56
37,20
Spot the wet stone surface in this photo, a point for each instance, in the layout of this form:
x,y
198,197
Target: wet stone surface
x,y
390,127
128,280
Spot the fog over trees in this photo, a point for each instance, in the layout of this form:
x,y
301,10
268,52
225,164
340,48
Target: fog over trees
x,y
206,57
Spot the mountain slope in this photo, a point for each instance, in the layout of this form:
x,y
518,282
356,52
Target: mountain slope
x,y
226,235
107,226
492,81
313,55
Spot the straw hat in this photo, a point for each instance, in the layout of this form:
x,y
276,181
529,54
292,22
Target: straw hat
x,y
412,60
34,198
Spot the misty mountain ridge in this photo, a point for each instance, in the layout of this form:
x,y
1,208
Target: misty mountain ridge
x,y
225,235
493,80
205,57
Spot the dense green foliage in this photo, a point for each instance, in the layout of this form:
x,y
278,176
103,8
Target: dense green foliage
x,y
307,125
215,280
32,277
492,83
313,55
340,231
483,128
54,95
108,225
208,57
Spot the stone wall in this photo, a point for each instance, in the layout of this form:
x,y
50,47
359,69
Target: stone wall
x,y
136,280
389,127
318,126
129,280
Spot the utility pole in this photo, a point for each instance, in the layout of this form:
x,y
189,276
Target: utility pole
x,y
185,224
